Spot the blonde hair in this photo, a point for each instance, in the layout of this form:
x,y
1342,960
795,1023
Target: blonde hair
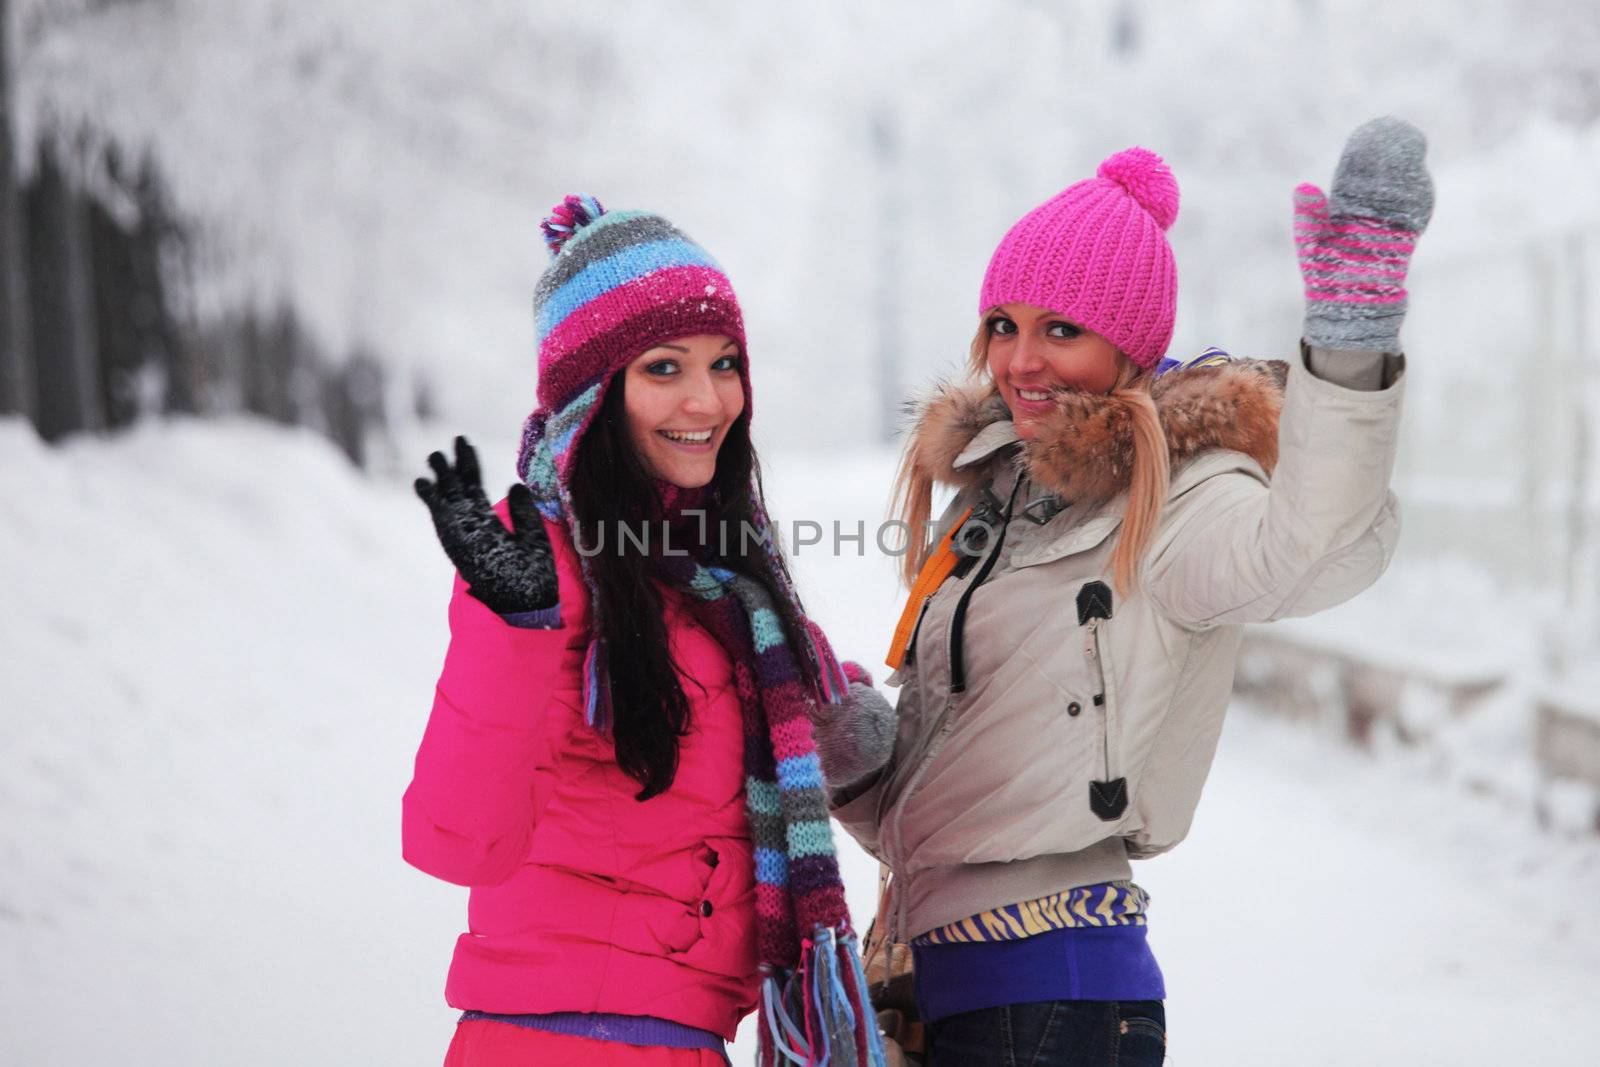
x,y
1147,488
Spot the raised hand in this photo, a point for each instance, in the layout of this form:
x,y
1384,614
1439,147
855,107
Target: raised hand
x,y
855,738
1355,246
509,570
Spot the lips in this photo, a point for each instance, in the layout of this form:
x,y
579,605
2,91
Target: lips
x,y
1029,403
687,437
695,442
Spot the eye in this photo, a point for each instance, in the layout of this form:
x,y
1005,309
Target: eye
x,y
1001,326
662,368
726,363
1065,331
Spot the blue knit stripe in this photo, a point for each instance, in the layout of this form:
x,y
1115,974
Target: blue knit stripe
x,y
772,866
800,772
565,424
597,240
762,797
593,713
627,265
705,584
541,474
765,629
810,838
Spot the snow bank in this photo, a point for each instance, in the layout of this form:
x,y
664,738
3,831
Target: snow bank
x,y
220,640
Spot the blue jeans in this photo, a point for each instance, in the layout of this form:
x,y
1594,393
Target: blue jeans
x,y
1057,1033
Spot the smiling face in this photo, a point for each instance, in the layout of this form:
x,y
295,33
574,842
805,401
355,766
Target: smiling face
x,y
680,399
1034,354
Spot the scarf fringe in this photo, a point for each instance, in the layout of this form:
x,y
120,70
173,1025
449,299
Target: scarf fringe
x,y
819,1015
833,684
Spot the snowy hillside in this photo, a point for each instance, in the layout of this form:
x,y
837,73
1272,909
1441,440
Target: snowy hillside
x,y
220,646
215,639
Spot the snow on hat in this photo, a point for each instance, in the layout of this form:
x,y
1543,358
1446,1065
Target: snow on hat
x,y
1097,253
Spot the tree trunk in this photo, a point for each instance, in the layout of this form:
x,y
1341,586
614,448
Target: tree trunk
x,y
120,358
16,360
61,286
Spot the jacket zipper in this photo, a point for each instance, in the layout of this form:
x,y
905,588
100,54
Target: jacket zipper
x,y
1108,795
911,644
1091,649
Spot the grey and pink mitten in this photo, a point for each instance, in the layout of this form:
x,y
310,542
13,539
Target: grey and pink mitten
x,y
1355,245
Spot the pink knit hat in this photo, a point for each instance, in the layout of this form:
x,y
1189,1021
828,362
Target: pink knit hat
x,y
1097,253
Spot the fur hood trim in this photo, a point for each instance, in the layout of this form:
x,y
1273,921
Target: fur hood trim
x,y
1084,449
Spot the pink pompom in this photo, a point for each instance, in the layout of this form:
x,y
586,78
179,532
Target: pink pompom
x,y
1147,179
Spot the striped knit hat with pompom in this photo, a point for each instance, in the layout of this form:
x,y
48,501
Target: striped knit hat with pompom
x,y
619,283
1097,253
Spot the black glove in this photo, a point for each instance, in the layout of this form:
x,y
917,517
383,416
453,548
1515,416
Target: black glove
x,y
509,570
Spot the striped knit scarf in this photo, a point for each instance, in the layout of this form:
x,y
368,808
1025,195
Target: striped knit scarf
x,y
814,1004
813,989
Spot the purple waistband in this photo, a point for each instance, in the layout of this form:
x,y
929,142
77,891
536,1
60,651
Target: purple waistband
x,y
644,1030
1083,963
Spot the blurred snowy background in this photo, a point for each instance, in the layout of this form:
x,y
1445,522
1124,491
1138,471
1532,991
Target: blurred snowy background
x,y
260,257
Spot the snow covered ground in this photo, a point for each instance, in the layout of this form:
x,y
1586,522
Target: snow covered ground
x,y
219,642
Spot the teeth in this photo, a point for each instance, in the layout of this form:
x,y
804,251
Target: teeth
x,y
1029,394
696,437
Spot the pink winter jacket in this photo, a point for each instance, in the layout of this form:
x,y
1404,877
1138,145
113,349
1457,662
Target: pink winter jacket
x,y
583,898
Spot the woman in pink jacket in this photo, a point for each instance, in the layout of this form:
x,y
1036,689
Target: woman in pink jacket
x,y
619,761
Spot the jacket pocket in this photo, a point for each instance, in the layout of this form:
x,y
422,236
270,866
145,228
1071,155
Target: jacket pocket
x,y
672,912
725,911
1047,546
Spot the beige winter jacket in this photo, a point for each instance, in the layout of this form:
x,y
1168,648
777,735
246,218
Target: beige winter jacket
x,y
1079,742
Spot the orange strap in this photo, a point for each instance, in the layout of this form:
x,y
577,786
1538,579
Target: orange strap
x,y
941,561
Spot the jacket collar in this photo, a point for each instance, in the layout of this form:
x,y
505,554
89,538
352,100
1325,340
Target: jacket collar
x,y
986,442
1083,451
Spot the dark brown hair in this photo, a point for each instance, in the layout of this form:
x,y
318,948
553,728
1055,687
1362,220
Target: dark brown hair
x,y
611,488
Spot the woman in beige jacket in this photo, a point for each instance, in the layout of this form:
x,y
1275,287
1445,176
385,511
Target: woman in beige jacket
x,y
1068,650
